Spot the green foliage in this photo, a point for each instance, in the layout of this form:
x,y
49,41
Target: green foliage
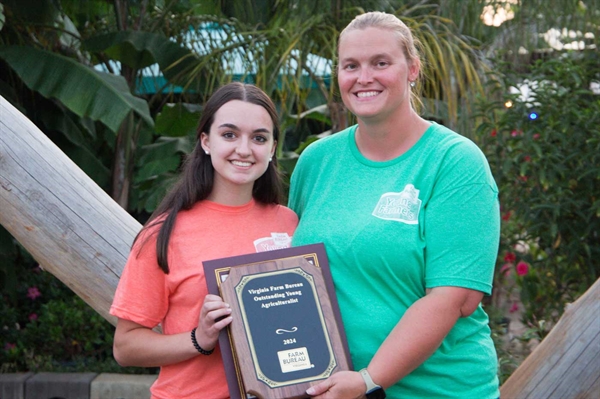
x,y
176,120
141,49
508,358
104,97
548,173
2,18
159,161
44,325
46,70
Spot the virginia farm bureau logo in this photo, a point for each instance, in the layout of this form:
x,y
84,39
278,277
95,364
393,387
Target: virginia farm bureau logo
x,y
402,207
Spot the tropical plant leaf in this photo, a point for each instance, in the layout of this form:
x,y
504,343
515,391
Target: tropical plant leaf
x,y
2,17
90,163
309,140
165,147
142,49
157,167
160,187
33,11
201,7
176,120
57,118
319,113
86,92
10,94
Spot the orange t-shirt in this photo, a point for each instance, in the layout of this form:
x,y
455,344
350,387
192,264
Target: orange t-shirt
x,y
147,296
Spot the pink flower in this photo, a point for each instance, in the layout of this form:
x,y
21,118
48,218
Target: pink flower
x,y
33,317
510,257
493,133
522,268
514,133
527,158
9,346
505,269
514,308
506,216
33,293
536,136
524,178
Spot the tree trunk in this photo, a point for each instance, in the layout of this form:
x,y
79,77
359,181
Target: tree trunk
x,y
68,224
566,364
122,171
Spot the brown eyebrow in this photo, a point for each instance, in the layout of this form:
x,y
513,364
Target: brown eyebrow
x,y
234,127
375,56
381,55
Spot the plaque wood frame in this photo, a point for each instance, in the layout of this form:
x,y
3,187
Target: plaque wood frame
x,y
248,373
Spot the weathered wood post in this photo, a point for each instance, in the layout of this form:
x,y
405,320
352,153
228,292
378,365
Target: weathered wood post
x,y
566,364
68,224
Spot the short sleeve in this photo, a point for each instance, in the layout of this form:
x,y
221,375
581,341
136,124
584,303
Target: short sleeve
x,y
462,225
298,182
141,294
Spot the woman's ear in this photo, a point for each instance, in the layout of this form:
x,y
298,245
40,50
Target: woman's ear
x,y
274,148
204,142
414,69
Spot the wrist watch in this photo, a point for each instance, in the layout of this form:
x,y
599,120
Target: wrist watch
x,y
374,391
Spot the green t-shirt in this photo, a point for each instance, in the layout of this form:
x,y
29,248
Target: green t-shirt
x,y
393,229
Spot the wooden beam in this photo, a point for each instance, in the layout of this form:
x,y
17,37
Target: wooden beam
x,y
68,224
566,364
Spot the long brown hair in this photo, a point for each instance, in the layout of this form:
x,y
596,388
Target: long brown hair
x,y
197,177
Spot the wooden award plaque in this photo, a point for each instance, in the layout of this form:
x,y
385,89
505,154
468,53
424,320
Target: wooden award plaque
x,y
286,333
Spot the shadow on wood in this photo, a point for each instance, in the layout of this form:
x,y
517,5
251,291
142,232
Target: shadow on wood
x,y
68,224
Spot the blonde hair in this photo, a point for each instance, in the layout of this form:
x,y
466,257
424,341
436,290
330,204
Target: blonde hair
x,y
382,20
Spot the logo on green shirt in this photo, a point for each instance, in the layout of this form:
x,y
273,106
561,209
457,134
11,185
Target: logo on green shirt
x,y
402,207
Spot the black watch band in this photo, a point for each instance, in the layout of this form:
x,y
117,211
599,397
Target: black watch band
x,y
378,393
